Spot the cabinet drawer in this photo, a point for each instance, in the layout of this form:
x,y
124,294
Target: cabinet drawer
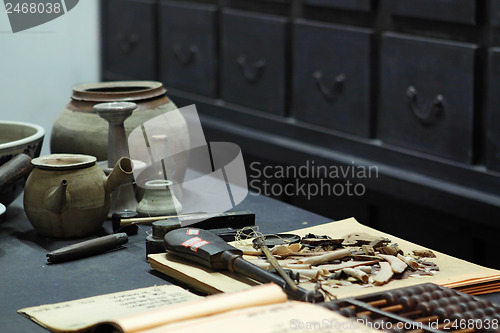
x,y
129,50
331,85
461,11
426,96
188,47
253,60
493,112
359,5
494,13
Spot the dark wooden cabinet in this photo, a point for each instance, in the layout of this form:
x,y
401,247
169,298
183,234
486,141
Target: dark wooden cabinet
x,y
493,111
188,47
129,44
253,71
331,85
461,11
409,87
360,5
494,13
427,95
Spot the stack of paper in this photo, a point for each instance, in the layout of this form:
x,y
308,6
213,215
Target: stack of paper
x,y
453,272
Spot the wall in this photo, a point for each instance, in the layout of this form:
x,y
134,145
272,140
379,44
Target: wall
x,y
39,66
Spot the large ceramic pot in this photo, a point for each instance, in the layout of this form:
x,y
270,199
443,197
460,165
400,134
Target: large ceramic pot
x,y
80,130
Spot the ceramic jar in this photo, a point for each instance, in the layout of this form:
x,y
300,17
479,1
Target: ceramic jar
x,y
79,129
68,195
158,200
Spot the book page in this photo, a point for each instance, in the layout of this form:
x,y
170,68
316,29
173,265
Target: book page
x,y
286,317
208,306
201,278
453,272
83,313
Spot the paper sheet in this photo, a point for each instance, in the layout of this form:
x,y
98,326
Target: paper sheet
x,y
147,309
83,313
211,305
453,272
287,317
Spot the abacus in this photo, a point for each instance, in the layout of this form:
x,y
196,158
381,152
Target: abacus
x,y
422,308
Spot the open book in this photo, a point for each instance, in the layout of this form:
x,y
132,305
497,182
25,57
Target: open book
x,y
262,309
453,272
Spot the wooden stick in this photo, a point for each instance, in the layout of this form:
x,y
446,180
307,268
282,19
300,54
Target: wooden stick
x,y
151,219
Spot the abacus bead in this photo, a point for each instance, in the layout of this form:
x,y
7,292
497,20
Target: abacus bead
x,y
468,315
431,287
462,306
348,312
453,308
454,299
390,297
472,306
425,308
427,296
448,292
483,304
419,290
489,311
434,304
407,302
437,294
456,316
480,313
418,298
441,313
444,302
464,298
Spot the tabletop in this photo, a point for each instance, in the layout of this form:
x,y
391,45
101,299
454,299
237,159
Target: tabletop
x,y
26,279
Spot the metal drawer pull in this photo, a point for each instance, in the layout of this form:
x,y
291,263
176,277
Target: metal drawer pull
x,y
428,113
332,93
127,43
184,58
251,75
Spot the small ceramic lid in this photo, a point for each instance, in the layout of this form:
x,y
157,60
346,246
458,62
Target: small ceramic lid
x,y
64,161
157,184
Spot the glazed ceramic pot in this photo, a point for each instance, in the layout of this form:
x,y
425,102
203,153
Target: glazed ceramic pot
x,y
79,129
68,195
158,200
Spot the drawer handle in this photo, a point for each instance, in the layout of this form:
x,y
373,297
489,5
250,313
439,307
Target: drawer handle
x,y
185,58
254,74
127,43
428,113
333,92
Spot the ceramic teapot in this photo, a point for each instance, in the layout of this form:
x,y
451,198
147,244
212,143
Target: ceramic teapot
x,y
68,195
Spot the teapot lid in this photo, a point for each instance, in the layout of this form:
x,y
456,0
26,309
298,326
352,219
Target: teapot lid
x,y
64,161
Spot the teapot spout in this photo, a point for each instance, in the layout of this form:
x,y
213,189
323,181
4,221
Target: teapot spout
x,y
56,199
121,172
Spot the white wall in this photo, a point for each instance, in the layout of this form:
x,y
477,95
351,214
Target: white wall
x,y
39,66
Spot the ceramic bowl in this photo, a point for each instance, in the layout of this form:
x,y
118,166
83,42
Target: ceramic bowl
x,y
18,138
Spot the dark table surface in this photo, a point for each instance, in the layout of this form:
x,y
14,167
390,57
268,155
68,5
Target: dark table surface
x,y
27,280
